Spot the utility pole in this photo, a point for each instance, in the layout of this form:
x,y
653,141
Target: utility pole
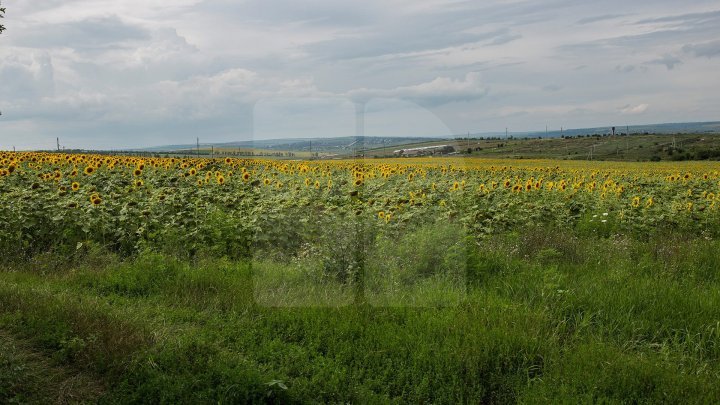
x,y
212,151
506,133
198,147
58,143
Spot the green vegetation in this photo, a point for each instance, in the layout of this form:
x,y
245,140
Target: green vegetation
x,y
633,148
125,280
537,316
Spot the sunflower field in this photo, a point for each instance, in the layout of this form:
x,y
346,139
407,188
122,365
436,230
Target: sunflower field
x,y
181,280
236,207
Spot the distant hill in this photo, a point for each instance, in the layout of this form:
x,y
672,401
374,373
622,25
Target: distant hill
x,y
668,128
343,145
327,145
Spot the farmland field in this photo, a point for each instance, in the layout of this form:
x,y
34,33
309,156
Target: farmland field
x,y
413,280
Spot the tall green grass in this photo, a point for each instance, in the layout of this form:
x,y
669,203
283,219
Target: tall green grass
x,y
534,317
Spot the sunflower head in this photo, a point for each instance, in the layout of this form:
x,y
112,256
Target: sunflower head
x,y
89,170
139,183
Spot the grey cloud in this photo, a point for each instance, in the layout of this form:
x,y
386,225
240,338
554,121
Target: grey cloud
x,y
683,29
402,40
684,18
27,78
88,34
552,87
314,12
624,69
667,60
445,26
590,20
504,38
706,49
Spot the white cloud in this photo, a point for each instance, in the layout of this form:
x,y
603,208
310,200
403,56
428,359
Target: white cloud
x,y
634,109
441,90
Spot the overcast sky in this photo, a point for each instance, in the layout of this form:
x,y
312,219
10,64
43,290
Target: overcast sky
x,y
119,74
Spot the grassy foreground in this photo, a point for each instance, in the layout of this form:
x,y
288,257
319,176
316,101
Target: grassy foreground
x,y
535,317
